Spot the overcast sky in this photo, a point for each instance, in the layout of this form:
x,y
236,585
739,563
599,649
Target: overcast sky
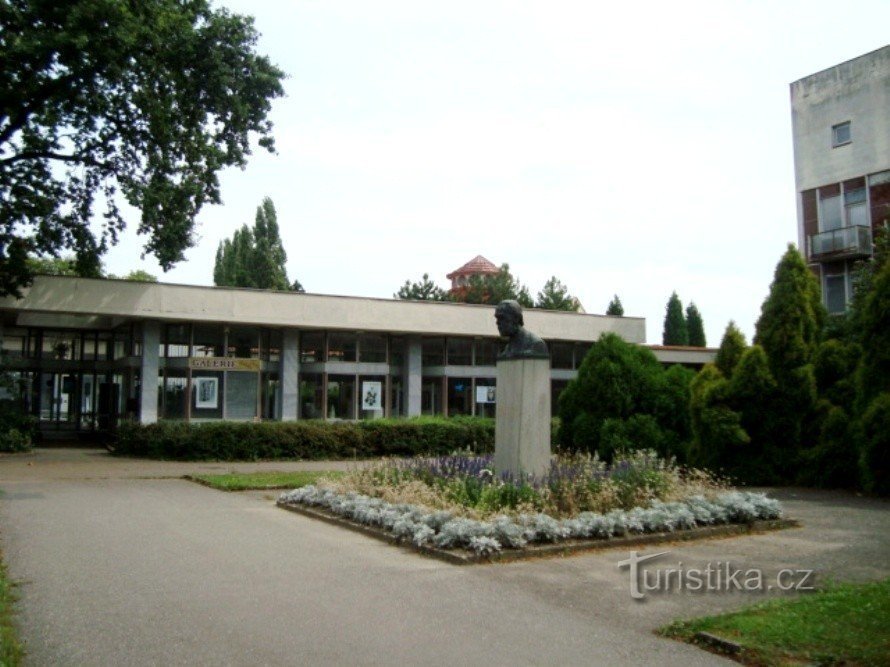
x,y
627,148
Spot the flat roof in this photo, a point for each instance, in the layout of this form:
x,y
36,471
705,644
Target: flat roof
x,y
74,302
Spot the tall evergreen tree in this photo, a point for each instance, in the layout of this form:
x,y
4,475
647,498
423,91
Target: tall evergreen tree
x,y
615,308
731,349
791,317
555,296
255,257
788,329
695,326
675,331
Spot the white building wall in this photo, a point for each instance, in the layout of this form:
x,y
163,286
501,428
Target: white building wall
x,y
857,91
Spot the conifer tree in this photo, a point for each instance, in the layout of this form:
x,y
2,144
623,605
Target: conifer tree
x,y
695,326
675,331
423,290
555,296
615,308
731,348
255,257
788,329
791,317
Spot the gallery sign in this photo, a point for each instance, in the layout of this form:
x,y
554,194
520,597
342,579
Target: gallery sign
x,y
224,364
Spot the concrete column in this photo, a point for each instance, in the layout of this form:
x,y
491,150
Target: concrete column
x,y
289,396
148,387
522,426
413,376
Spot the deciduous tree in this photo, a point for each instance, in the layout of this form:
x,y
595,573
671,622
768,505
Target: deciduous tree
x,y
142,102
254,257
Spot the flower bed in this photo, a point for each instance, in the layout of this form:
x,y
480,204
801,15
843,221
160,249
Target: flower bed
x,y
504,513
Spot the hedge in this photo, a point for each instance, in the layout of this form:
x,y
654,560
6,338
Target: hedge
x,y
307,439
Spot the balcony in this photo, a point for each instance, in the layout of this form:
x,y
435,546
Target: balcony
x,y
842,243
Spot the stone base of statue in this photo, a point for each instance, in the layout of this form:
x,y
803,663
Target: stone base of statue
x,y
522,428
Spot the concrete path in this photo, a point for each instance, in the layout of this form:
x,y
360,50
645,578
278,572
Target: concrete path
x,y
119,565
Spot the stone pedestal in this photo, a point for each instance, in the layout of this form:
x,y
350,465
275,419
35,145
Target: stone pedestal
x,y
522,429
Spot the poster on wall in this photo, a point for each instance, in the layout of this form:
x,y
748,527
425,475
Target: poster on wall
x,y
206,393
372,395
485,394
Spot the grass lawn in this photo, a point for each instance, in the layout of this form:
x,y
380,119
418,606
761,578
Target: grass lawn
x,y
844,624
10,648
262,480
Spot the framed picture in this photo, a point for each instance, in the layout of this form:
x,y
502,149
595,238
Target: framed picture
x,y
206,393
372,395
485,394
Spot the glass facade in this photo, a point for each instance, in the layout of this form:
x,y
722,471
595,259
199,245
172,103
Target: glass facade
x,y
90,379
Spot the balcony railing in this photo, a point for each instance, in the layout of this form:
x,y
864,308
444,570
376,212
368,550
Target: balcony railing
x,y
843,242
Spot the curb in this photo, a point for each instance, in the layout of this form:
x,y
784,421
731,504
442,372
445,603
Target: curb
x,y
565,548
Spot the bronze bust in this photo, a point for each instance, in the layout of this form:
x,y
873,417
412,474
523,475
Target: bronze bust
x,y
522,344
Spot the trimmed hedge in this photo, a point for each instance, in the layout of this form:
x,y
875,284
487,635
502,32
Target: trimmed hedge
x,y
309,439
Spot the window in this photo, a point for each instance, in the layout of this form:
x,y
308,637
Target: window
x,y
835,293
433,352
840,134
342,347
830,213
372,348
854,203
459,351
311,347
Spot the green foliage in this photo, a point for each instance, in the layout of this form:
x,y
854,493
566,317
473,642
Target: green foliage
x,y
864,275
18,431
310,439
833,462
622,399
731,348
53,266
621,436
555,296
874,462
873,376
492,289
718,436
424,290
675,330
247,481
144,101
791,317
833,366
137,275
615,308
695,326
254,257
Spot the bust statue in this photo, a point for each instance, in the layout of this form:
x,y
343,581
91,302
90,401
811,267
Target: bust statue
x,y
522,344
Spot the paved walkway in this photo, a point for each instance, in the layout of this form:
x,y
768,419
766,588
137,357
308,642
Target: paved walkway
x,y
120,562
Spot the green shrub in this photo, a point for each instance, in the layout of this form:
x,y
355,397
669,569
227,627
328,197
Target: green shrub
x,y
874,460
624,400
18,431
307,439
833,461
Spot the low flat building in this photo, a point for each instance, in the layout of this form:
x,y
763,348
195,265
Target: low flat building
x,y
86,353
